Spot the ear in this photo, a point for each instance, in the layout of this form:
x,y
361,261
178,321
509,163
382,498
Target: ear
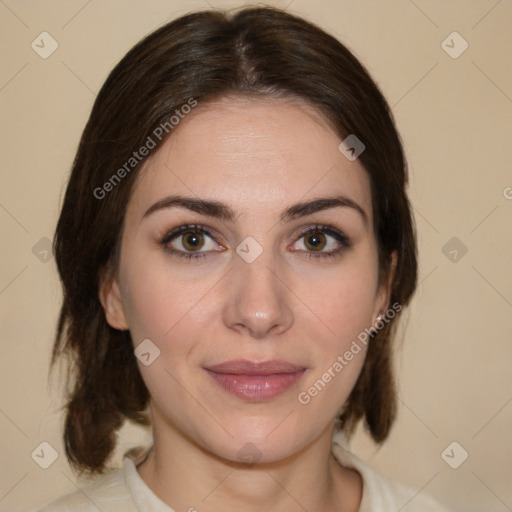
x,y
112,302
384,292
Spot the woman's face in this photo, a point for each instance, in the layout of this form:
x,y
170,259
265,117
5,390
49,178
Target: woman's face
x,y
258,277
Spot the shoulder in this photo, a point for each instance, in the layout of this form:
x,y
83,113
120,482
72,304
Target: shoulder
x,y
107,493
382,493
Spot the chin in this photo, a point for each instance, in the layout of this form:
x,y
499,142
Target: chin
x,y
259,443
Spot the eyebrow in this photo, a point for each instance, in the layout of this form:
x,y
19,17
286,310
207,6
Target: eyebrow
x,y
224,212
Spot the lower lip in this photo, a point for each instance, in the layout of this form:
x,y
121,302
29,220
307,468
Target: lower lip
x,y
256,388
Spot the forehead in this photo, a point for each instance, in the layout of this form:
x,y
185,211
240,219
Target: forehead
x,y
254,154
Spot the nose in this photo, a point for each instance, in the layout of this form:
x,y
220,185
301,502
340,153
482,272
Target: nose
x,y
258,300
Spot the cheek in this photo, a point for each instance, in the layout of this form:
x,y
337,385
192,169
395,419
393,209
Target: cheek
x,y
167,311
346,307
351,305
347,313
345,302
157,302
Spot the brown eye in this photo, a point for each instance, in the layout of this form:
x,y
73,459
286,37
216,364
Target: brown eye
x,y
322,241
315,241
192,240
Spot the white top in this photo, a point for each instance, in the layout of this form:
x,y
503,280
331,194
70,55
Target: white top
x,y
123,490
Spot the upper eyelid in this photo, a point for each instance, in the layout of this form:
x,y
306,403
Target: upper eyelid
x,y
178,231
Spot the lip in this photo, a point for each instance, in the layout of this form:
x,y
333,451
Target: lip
x,y
256,381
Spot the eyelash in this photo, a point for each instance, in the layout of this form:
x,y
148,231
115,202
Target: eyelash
x,y
340,237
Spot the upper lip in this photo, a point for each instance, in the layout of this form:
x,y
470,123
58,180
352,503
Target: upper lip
x,y
245,367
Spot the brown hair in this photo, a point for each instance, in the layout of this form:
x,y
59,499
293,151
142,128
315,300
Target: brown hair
x,y
202,56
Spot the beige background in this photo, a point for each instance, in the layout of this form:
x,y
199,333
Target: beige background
x,y
455,116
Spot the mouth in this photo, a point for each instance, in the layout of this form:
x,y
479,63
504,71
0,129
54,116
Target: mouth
x,y
256,382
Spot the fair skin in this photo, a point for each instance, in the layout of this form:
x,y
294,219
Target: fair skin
x,y
258,157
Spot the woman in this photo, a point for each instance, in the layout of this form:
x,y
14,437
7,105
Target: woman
x,y
235,247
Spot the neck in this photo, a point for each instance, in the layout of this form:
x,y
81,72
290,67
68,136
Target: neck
x,y
189,478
